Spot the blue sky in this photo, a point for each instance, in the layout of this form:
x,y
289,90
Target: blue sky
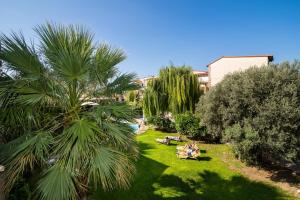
x,y
154,33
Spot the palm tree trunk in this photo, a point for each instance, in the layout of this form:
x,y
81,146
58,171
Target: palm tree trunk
x,y
84,196
83,189
2,196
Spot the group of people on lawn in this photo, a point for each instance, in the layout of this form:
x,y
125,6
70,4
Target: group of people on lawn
x,y
190,150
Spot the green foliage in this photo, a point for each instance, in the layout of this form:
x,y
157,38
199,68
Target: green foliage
x,y
21,191
43,117
175,90
155,101
131,96
189,125
245,142
264,102
162,123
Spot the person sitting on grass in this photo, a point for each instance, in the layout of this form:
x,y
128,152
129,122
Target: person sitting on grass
x,y
194,146
188,151
195,153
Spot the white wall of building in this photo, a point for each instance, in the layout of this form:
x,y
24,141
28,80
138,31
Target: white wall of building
x,y
226,65
203,79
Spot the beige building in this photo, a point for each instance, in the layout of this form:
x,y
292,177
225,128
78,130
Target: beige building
x,y
202,78
144,81
228,64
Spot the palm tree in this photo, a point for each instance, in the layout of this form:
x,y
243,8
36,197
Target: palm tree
x,y
57,136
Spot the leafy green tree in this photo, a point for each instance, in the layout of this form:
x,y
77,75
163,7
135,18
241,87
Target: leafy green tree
x,y
187,124
264,102
67,143
131,96
155,101
176,90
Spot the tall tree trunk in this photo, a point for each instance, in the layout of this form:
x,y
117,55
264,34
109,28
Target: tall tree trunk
x,y
83,189
84,196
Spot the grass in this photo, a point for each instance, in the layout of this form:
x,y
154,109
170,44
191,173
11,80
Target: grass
x,y
161,175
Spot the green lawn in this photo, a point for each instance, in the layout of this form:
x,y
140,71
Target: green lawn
x,y
161,175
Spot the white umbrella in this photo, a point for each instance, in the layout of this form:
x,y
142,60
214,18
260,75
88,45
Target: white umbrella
x,y
89,103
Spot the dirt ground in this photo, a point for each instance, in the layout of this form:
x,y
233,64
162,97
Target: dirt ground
x,y
282,178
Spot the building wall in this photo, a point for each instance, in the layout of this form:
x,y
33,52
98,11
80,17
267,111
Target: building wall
x,y
220,68
203,79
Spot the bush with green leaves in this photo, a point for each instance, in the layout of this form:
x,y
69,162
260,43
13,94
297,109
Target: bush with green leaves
x,y
245,142
264,102
189,125
133,99
161,123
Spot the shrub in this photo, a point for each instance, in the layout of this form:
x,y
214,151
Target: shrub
x,y
245,142
138,111
161,123
189,125
257,111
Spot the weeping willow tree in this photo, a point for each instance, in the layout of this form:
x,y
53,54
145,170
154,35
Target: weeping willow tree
x,y
155,100
176,90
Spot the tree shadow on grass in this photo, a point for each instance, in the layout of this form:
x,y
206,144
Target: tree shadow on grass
x,y
151,184
211,186
144,146
238,187
203,151
204,158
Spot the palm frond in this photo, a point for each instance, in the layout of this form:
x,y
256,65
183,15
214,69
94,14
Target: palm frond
x,y
122,83
57,184
110,168
118,134
115,111
73,143
27,151
20,57
104,63
67,49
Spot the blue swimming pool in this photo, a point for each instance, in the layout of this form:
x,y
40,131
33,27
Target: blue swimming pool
x,y
135,127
